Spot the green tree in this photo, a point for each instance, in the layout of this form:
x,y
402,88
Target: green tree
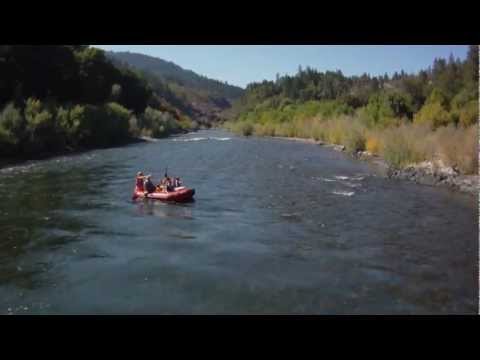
x,y
433,114
378,111
468,115
470,72
41,128
12,126
116,123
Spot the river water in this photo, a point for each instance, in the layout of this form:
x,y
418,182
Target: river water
x,y
278,227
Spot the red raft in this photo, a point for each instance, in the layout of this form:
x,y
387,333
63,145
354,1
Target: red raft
x,y
179,194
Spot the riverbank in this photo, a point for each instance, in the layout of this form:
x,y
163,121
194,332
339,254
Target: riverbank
x,y
430,173
12,161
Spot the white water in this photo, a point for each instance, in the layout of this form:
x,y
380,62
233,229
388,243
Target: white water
x,y
191,139
344,193
203,138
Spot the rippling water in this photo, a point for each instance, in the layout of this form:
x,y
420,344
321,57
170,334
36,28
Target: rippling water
x,y
278,227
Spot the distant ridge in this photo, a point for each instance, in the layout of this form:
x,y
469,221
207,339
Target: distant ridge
x,y
206,97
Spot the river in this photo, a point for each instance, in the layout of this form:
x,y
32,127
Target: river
x,y
277,227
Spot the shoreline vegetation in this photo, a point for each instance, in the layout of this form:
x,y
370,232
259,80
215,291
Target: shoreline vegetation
x,y
447,156
64,140
432,173
423,126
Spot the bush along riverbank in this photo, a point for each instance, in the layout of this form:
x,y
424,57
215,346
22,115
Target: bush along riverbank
x,y
40,130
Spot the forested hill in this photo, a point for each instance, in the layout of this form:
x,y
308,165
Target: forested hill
x,y
452,83
206,97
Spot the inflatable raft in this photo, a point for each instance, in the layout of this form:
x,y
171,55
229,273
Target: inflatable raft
x,y
179,194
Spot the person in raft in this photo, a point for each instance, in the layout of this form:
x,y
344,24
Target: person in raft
x,y
161,185
149,187
166,183
170,186
139,181
177,182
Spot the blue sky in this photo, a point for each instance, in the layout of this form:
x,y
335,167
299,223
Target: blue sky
x,y
242,64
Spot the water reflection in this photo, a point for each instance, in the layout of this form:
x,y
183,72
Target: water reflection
x,y
165,210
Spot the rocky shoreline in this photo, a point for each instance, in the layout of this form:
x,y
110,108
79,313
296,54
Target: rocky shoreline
x,y
422,175
430,173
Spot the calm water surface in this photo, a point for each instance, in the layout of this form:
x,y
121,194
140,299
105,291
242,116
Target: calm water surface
x,y
278,227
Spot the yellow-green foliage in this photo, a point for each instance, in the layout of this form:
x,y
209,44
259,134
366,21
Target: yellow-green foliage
x,y
335,131
118,117
458,147
319,131
263,113
264,130
11,122
303,127
36,115
161,123
468,115
325,109
433,114
400,146
373,142
286,129
187,124
355,138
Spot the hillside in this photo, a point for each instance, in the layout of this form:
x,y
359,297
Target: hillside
x,y
203,98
